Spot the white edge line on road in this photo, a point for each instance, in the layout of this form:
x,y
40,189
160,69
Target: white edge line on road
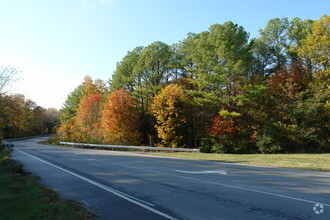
x,y
211,182
116,192
222,172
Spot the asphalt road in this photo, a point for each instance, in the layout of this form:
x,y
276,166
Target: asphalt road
x,y
119,185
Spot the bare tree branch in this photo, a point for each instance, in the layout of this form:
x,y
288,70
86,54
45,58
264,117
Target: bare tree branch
x,y
8,75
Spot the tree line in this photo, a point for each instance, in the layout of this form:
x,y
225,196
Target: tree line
x,y
217,90
19,116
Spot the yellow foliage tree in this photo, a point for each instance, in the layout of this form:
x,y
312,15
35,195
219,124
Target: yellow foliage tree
x,y
316,47
168,107
93,87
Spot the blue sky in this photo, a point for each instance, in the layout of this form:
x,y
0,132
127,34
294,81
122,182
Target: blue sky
x,y
55,43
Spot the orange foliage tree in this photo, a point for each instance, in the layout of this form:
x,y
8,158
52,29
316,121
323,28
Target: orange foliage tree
x,y
82,113
88,119
221,126
120,119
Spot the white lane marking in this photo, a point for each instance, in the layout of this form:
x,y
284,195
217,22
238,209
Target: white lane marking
x,y
222,172
111,190
211,182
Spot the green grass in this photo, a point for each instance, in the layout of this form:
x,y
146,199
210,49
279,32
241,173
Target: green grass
x,y
22,198
319,162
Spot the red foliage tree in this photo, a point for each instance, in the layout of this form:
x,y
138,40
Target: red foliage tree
x,y
221,126
287,83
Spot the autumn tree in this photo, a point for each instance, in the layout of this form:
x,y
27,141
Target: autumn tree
x,y
143,72
87,88
120,119
80,112
265,95
316,47
66,131
168,108
287,83
277,129
298,31
87,120
221,126
217,63
314,109
20,117
12,115
93,87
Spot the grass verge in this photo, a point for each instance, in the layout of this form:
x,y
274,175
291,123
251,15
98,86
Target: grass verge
x,y
317,162
22,198
320,162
